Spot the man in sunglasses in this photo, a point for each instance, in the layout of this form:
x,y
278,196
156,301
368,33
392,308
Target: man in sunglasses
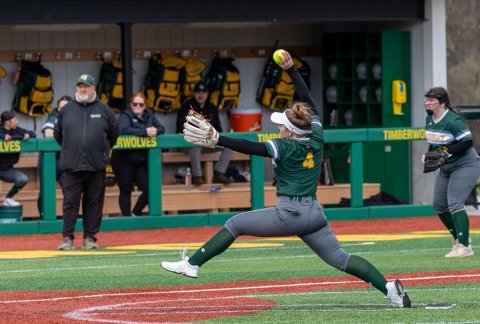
x,y
86,130
199,102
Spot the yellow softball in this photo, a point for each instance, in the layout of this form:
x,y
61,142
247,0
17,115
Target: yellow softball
x,y
278,55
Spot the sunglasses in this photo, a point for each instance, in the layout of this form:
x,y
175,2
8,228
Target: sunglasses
x,y
138,104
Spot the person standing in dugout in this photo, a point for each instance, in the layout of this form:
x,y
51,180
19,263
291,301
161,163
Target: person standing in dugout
x,y
131,166
47,131
86,130
446,131
297,157
9,131
199,102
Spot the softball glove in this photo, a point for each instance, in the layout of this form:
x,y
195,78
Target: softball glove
x,y
434,160
198,130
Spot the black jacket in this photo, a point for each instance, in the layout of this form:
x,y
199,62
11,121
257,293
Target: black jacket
x,y
209,110
129,124
8,160
86,132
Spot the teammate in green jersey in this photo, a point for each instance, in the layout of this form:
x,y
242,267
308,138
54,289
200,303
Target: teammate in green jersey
x,y
297,157
447,131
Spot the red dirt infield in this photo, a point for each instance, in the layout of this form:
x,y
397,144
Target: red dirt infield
x,y
182,303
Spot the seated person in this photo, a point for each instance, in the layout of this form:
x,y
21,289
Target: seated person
x,y
10,131
131,166
200,104
47,131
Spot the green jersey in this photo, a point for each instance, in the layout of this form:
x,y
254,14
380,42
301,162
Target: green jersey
x,y
448,130
297,162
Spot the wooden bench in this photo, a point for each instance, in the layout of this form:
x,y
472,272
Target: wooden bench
x,y
176,199
28,163
208,161
237,196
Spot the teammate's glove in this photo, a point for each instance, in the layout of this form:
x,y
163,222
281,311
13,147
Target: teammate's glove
x,y
198,130
434,160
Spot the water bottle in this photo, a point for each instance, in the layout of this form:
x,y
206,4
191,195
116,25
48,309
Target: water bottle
x,y
188,179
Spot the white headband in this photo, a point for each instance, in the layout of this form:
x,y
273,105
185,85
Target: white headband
x,y
281,118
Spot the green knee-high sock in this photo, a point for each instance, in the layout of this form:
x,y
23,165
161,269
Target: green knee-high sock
x,y
13,191
462,224
216,245
447,220
361,268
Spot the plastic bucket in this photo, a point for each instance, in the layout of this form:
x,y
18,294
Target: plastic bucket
x,y
246,120
10,214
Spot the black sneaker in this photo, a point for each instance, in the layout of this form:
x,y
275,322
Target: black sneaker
x,y
197,180
219,177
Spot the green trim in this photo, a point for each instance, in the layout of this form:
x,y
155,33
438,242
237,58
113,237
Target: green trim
x,y
356,174
49,185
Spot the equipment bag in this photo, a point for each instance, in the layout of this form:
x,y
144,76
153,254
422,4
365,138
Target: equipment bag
x,y
34,93
162,83
223,83
276,90
190,75
326,174
110,88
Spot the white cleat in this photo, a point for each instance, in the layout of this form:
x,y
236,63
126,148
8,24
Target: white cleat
x,y
452,252
397,295
181,267
10,202
461,251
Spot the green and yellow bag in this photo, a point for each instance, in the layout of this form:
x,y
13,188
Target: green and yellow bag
x,y
110,85
34,92
190,75
223,83
276,90
162,83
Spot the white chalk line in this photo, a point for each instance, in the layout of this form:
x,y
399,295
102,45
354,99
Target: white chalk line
x,y
157,264
226,289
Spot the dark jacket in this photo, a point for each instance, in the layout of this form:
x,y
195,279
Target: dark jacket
x,y
209,110
8,160
129,124
86,132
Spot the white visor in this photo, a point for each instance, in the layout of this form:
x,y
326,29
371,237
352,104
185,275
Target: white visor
x,y
281,118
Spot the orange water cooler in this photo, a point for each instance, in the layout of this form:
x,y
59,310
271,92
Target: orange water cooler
x,y
246,120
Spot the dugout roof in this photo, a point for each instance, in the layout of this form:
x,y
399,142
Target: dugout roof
x,y
187,11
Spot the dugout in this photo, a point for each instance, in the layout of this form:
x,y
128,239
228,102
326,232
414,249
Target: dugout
x,y
69,36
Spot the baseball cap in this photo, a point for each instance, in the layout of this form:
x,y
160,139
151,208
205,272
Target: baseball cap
x,y
6,116
86,79
200,87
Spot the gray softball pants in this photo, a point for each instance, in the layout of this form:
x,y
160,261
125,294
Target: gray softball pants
x,y
196,159
454,183
14,176
302,217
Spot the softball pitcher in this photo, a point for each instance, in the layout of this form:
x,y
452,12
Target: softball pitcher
x,y
447,131
297,157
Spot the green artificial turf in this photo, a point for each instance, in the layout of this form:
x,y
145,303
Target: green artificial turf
x,y
140,269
